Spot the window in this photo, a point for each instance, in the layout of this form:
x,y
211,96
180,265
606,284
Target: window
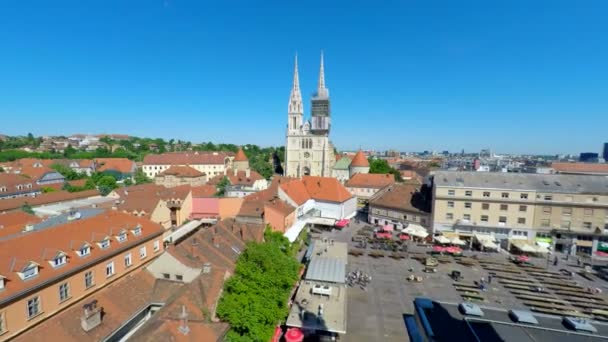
x,y
466,217
588,212
486,194
523,208
485,206
88,279
467,205
548,198
156,246
30,272
137,231
105,243
449,216
484,218
450,204
122,237
521,220
33,307
523,196
468,193
505,195
547,210
2,325
567,211
84,251
1,283
59,260
451,192
142,252
64,292
110,269
545,223
502,219
128,261
166,276
504,207
587,225
565,224
179,277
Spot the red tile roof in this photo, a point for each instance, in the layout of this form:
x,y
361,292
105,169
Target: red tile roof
x,y
360,160
580,168
15,222
48,198
203,191
11,182
122,165
326,189
397,196
296,190
67,238
187,158
182,171
240,155
145,197
370,180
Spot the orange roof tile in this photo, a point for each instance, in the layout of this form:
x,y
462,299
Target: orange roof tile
x,y
61,238
326,189
399,196
370,180
11,182
14,222
122,165
580,167
240,155
296,190
204,191
187,158
182,171
360,160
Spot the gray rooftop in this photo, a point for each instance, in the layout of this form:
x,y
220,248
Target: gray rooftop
x,y
326,269
575,184
305,313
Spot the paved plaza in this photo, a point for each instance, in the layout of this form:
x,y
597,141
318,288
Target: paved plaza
x,y
376,312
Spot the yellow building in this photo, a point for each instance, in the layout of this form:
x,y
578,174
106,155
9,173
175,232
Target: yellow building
x,y
569,211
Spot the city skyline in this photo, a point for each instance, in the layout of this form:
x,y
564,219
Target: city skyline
x,y
406,76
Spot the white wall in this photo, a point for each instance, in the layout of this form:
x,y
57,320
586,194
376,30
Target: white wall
x,y
166,263
337,211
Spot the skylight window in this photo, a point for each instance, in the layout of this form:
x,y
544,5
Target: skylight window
x,y
137,231
105,243
30,272
84,250
122,237
59,260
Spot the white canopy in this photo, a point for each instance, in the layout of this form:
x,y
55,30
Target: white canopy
x,y
489,245
524,247
416,230
457,241
441,239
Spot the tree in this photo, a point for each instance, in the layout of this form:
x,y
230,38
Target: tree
x,y
255,298
1,169
106,184
27,208
381,166
141,178
67,172
46,189
221,186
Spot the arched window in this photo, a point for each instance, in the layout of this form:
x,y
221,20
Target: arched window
x,y
309,143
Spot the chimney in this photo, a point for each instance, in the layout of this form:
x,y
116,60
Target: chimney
x,y
236,172
248,173
206,268
183,328
91,316
28,227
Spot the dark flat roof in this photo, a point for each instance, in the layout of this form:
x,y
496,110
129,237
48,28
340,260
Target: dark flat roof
x,y
446,322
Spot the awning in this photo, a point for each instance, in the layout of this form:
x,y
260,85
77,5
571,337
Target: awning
x,y
322,221
388,228
441,239
487,244
457,241
525,247
342,223
416,230
543,244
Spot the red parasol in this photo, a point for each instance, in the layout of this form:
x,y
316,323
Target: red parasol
x,y
294,335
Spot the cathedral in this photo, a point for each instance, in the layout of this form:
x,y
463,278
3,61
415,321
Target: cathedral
x,y
308,151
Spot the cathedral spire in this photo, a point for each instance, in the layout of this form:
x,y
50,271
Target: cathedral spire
x,y
321,90
295,98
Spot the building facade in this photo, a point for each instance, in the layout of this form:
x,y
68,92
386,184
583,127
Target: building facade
x,y
308,150
570,211
209,163
395,205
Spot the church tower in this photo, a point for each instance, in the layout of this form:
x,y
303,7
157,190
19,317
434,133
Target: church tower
x,y
295,108
320,105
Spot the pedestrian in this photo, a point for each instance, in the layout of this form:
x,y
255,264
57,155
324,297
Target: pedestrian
x,y
578,261
482,280
490,279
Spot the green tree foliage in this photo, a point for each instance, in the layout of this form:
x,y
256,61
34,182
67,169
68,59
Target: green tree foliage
x,y
221,186
106,184
46,190
141,178
381,166
255,297
67,172
1,169
27,208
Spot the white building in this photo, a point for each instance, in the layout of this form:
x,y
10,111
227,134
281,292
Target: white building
x,y
210,163
308,151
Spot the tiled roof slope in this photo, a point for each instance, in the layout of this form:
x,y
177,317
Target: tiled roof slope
x,y
182,171
122,165
326,189
187,158
15,222
43,245
51,197
580,167
360,160
370,180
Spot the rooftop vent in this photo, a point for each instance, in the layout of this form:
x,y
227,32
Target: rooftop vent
x,y
579,324
91,316
470,309
521,316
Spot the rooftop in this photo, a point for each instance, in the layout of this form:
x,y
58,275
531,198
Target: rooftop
x,y
182,171
122,165
575,184
326,269
187,158
447,321
587,168
360,160
319,311
370,180
42,199
399,196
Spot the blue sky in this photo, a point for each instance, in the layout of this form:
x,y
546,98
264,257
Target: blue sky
x,y
515,76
